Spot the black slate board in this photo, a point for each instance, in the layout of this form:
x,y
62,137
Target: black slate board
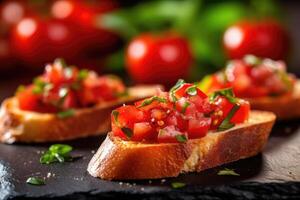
x,y
274,174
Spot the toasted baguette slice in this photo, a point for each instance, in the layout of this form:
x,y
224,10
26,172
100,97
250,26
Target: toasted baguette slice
x,y
24,126
285,107
122,160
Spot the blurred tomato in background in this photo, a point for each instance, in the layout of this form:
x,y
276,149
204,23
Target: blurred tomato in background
x,y
142,41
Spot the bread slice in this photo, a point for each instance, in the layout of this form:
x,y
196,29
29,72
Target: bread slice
x,y
285,107
24,126
117,159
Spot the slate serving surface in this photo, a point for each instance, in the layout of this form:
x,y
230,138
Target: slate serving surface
x,y
274,174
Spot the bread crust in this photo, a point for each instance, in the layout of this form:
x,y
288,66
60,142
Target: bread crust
x,y
285,107
24,126
123,160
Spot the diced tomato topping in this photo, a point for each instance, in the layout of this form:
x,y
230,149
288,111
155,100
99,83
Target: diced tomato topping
x,y
62,87
263,77
171,120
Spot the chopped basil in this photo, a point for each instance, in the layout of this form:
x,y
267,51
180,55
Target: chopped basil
x,y
115,114
177,185
127,131
35,181
65,114
20,88
61,62
192,90
39,86
205,84
57,153
252,60
226,124
227,93
181,138
179,83
184,107
227,172
82,74
148,101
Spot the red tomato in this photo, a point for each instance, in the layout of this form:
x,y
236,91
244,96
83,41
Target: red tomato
x,y
262,38
27,100
95,40
158,59
184,88
242,114
127,117
168,135
37,42
143,131
198,128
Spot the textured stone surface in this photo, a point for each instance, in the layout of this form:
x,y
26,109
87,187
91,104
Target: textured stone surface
x,y
275,174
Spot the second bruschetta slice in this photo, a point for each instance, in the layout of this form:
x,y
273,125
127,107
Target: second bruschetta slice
x,y
265,83
177,132
65,103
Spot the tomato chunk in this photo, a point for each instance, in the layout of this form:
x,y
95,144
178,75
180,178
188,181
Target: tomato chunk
x,y
198,128
169,134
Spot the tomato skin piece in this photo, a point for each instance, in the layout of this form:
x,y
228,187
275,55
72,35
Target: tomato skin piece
x,y
198,128
267,39
158,59
143,131
168,135
242,114
182,91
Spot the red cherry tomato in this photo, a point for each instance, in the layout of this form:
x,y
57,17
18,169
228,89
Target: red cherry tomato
x,y
158,59
263,38
37,42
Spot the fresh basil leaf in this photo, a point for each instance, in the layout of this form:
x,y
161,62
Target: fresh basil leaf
x,y
82,74
60,148
227,93
185,105
66,114
228,172
179,83
226,124
61,62
35,181
181,138
148,101
20,88
127,131
192,91
177,185
57,153
47,158
39,86
115,114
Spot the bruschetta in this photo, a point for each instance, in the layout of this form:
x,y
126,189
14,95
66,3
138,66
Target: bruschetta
x,y
65,103
265,83
178,132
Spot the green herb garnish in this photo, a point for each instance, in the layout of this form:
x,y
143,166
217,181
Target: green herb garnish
x,y
127,131
35,181
39,86
226,124
184,107
227,93
177,185
179,83
227,172
57,153
20,88
82,74
148,101
65,114
181,138
192,90
115,114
